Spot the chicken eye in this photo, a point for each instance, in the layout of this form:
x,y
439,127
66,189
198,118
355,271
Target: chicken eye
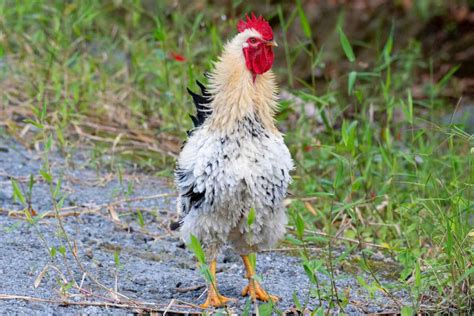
x,y
252,40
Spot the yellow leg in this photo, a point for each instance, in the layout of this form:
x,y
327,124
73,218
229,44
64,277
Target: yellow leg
x,y
214,299
253,288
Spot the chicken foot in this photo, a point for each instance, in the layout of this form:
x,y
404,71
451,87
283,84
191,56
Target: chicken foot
x,y
214,298
254,289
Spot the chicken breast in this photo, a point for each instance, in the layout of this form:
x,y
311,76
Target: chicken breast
x,y
222,177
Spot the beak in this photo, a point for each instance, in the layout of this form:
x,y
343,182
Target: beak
x,y
271,43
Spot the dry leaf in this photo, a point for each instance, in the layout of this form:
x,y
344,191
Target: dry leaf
x,y
310,208
113,214
75,249
116,141
32,211
40,276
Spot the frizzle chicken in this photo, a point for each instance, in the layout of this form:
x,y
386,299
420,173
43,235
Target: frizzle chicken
x,y
235,162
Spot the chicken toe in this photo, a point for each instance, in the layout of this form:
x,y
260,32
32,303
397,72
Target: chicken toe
x,y
215,300
256,292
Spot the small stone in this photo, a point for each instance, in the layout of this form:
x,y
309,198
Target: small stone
x,y
89,253
6,193
140,280
378,256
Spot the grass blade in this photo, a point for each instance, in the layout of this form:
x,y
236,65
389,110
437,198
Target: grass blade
x,y
351,81
346,45
304,21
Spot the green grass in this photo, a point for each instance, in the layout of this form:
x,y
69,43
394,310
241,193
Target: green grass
x,y
373,162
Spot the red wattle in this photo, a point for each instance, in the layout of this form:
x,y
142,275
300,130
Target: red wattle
x,y
259,60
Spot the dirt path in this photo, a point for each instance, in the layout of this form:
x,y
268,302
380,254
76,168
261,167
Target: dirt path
x,y
154,265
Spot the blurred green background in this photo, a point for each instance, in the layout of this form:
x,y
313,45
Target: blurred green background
x,y
376,103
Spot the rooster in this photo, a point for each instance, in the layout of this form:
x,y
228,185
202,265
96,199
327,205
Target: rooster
x,y
235,164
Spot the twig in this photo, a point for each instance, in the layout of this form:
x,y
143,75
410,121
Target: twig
x,y
141,305
168,307
290,249
355,241
189,288
188,304
95,209
136,144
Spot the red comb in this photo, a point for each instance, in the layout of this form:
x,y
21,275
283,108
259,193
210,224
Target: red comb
x,y
258,24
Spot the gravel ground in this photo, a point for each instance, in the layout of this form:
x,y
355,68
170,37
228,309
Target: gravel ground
x,y
154,267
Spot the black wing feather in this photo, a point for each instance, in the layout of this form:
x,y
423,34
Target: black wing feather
x,y
204,91
190,198
201,102
194,119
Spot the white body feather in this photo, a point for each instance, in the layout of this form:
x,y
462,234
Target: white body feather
x,y
236,161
